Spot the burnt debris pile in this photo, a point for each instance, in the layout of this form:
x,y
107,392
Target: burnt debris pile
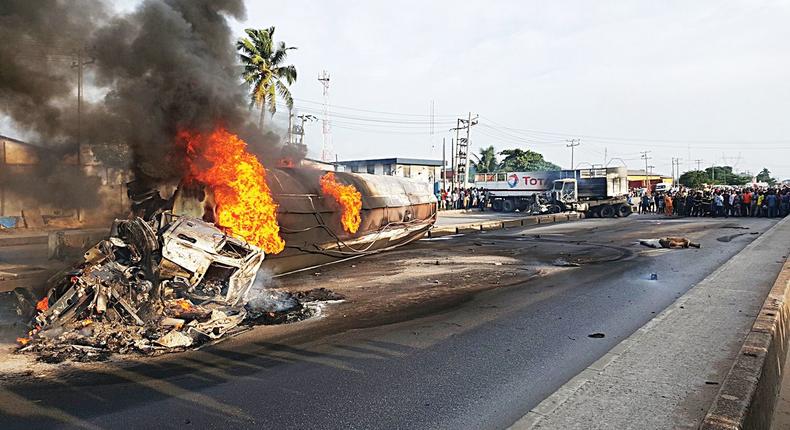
x,y
167,284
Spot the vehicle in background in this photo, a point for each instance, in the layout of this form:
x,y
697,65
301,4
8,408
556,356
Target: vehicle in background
x,y
662,187
595,192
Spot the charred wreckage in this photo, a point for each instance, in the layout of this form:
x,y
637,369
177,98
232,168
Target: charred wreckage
x,y
169,278
155,286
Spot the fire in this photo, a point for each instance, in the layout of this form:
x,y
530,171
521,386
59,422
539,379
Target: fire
x,y
23,340
245,206
185,305
286,163
349,199
43,304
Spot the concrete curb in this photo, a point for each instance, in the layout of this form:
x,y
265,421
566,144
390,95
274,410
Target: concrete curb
x,y
501,224
748,395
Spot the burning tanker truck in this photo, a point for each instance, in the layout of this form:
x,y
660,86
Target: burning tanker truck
x,y
181,272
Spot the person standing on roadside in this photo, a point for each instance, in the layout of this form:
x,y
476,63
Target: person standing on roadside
x,y
718,204
668,205
746,202
772,203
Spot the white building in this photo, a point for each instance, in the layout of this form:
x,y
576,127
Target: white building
x,y
426,170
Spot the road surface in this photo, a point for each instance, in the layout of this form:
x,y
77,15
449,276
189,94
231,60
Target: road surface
x,y
468,349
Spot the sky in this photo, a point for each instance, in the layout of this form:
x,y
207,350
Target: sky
x,y
702,80
705,80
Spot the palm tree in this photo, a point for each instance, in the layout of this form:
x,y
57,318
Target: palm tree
x,y
264,71
487,162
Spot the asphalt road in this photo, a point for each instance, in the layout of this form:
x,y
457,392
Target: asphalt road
x,y
482,363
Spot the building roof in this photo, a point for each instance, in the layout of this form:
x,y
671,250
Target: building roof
x,y
411,161
21,142
642,173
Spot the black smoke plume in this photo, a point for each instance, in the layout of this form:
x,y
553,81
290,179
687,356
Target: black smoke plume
x,y
167,65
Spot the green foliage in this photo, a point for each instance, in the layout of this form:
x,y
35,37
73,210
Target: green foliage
x,y
765,176
520,160
716,175
487,162
694,179
114,154
723,175
264,71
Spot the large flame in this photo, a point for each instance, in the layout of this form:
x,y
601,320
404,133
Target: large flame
x,y
245,206
349,199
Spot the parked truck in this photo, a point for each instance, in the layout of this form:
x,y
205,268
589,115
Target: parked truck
x,y
595,192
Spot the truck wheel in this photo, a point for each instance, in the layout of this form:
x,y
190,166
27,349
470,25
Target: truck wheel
x,y
508,206
623,211
496,205
555,209
607,212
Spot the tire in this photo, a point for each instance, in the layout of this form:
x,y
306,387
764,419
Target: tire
x,y
608,212
623,211
496,205
508,206
555,209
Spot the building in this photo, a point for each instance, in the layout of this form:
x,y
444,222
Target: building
x,y
415,168
637,178
21,170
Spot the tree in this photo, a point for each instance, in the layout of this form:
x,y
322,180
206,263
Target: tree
x,y
694,178
765,176
264,71
725,175
487,162
520,160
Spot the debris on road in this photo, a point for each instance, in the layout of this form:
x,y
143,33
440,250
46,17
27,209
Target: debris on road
x,y
596,335
669,242
156,286
561,262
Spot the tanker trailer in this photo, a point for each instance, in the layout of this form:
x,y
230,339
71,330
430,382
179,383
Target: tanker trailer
x,y
394,211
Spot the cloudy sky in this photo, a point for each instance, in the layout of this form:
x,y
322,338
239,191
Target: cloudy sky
x,y
703,80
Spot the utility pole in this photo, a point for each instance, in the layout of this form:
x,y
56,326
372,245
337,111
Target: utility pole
x,y
304,119
573,143
646,158
290,126
675,168
461,163
326,148
79,63
444,165
452,162
699,163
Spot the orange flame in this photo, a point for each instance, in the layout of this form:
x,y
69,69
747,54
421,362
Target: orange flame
x,y
23,340
349,199
43,304
245,206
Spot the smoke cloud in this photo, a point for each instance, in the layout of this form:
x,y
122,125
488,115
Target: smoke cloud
x,y
167,65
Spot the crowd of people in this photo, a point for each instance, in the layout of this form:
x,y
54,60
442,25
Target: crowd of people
x,y
462,198
717,202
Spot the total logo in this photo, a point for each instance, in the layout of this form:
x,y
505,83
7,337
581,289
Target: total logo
x,y
512,180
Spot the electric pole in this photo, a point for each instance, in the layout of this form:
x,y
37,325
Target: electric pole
x,y
699,163
675,168
572,143
79,63
462,149
646,158
304,118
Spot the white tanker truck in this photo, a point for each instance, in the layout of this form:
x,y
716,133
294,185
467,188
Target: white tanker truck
x,y
595,192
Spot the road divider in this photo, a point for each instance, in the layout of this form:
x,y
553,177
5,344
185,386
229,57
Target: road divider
x,y
501,224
